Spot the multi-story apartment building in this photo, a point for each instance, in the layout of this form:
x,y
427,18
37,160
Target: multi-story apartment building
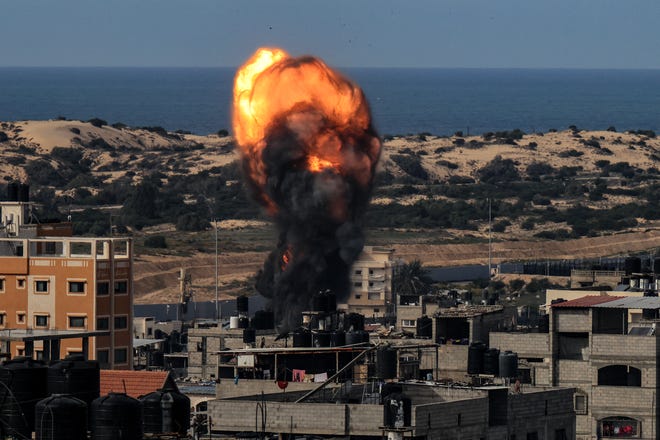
x,y
54,287
52,284
371,279
612,362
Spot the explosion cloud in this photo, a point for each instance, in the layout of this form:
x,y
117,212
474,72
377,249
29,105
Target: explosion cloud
x,y
309,153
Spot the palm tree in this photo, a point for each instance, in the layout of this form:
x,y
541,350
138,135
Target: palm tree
x,y
411,279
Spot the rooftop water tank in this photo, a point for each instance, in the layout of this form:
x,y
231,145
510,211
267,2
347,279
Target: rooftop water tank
x,y
476,358
23,383
61,417
165,411
116,416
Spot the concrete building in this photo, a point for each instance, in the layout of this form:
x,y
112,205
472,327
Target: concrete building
x,y
436,412
371,280
73,284
611,362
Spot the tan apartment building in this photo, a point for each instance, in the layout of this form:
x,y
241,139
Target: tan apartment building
x,y
52,284
371,283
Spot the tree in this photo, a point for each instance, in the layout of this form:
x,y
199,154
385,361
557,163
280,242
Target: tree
x,y
411,279
499,170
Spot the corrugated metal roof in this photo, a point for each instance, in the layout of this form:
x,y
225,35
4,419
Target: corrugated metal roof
x,y
587,301
633,302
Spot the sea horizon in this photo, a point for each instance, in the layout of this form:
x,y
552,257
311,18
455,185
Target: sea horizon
x,y
404,100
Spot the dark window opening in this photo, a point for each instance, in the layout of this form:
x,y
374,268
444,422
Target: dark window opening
x,y
77,321
41,321
121,322
102,288
620,376
41,286
102,323
619,427
121,355
121,286
76,286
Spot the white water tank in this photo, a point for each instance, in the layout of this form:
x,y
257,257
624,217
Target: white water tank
x,y
234,322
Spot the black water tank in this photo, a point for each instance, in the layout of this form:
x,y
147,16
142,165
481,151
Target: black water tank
x,y
424,327
357,337
116,417
75,376
61,417
165,411
12,192
321,338
243,322
476,358
242,305
389,388
656,265
353,321
249,336
491,361
263,320
396,411
386,365
633,265
544,323
23,192
302,338
338,338
24,382
508,364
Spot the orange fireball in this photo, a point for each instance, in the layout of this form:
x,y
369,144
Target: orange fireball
x,y
325,113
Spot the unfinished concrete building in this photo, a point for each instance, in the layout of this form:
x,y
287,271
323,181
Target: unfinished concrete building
x,y
611,362
435,411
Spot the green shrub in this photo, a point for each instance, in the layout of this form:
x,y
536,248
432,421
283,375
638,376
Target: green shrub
x,y
97,122
411,165
155,241
499,170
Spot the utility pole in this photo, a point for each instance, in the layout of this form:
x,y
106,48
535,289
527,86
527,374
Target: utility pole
x,y
217,303
489,241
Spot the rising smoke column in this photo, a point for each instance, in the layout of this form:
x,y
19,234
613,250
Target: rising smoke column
x,y
309,153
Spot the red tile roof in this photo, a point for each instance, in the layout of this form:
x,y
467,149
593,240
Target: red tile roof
x,y
134,383
587,301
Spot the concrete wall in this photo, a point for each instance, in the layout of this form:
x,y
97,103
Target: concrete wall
x,y
452,360
226,388
572,320
298,418
527,345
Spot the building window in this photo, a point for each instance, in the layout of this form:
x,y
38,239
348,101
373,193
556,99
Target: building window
x,y
3,319
620,376
102,288
560,434
358,272
102,323
358,296
2,284
620,427
20,317
149,331
39,355
357,284
580,403
77,286
77,321
408,323
121,287
103,356
20,351
121,355
41,286
376,310
20,283
41,321
121,322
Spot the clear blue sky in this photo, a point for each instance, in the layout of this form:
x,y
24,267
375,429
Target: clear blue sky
x,y
346,33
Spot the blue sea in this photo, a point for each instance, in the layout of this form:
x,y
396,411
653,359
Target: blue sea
x,y
403,101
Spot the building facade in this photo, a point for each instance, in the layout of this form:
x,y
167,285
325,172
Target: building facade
x,y
611,362
371,281
69,283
